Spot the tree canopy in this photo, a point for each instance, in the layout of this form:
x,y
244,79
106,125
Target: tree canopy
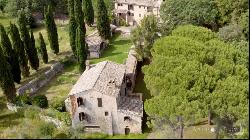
x,y
189,75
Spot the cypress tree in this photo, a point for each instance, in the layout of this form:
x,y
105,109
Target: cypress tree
x,y
103,23
18,47
72,26
79,16
81,50
34,62
25,36
42,49
6,79
80,35
51,30
88,12
10,55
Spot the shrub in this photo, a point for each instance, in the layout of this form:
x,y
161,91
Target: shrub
x,y
41,101
21,100
231,33
31,112
59,105
64,117
46,129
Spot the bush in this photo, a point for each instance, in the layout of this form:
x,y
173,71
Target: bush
x,y
21,100
231,33
46,129
41,101
31,112
59,105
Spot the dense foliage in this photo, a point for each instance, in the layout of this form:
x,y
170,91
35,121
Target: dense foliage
x,y
10,55
72,26
144,36
18,47
42,49
34,60
88,12
41,101
190,75
6,78
177,12
51,30
103,22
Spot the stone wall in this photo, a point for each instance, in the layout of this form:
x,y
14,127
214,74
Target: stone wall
x,y
34,85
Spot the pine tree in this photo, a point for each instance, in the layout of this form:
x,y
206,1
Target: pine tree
x,y
18,47
34,62
81,50
10,55
6,78
51,30
103,23
79,16
88,12
42,49
72,26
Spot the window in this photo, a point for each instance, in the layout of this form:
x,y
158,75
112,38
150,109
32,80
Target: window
x,y
127,118
80,101
139,6
139,15
106,113
82,116
119,4
130,7
99,102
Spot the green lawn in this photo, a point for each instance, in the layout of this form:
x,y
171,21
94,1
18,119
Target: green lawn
x,y
117,51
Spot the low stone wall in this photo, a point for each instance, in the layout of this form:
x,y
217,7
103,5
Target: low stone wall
x,y
34,85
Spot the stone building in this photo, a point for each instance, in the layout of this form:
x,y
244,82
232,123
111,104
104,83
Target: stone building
x,y
96,45
100,103
133,11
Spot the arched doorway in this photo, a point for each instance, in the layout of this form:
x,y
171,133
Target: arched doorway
x,y
127,130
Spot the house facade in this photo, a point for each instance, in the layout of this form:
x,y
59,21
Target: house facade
x,y
133,11
99,101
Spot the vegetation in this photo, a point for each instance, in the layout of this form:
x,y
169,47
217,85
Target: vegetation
x,y
40,100
34,60
51,30
144,36
72,26
80,36
42,49
231,33
22,100
10,55
18,47
190,78
88,12
6,79
103,22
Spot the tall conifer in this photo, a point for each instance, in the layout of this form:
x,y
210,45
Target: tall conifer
x,y
103,23
10,55
34,62
6,78
72,26
42,49
51,30
88,12
18,47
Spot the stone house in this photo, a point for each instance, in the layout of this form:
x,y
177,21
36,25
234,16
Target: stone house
x,y
96,45
133,11
99,101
